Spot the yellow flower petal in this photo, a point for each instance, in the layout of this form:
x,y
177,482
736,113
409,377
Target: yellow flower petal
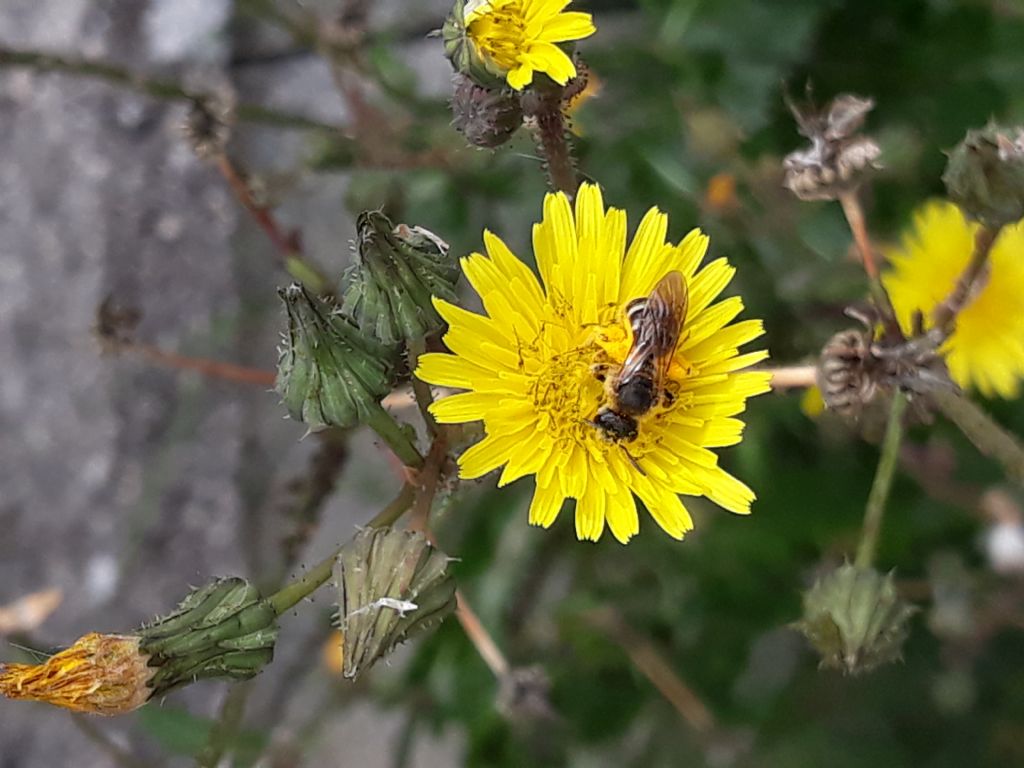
x,y
528,366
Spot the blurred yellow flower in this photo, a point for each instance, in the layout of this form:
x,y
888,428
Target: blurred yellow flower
x,y
986,350
516,38
528,366
99,674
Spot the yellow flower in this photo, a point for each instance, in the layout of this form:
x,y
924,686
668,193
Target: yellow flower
x,y
100,674
528,368
986,350
516,38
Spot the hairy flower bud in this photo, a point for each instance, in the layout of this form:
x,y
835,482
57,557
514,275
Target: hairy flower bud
x,y
399,269
224,629
99,674
392,585
221,630
985,175
487,117
838,156
330,373
855,619
847,373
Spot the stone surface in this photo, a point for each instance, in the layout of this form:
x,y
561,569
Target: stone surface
x,y
124,483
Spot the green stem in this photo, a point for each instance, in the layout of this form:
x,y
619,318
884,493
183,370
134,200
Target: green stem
x,y
421,390
987,436
291,594
225,730
875,510
167,90
391,432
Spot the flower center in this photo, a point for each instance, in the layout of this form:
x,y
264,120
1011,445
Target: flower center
x,y
498,30
567,388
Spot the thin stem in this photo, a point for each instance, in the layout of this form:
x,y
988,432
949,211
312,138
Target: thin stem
x,y
213,368
657,670
427,482
291,594
875,510
944,315
794,376
987,436
421,390
480,637
167,90
287,245
391,432
97,736
855,218
226,727
544,104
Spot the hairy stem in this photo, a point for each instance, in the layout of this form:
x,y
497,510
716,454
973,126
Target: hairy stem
x,y
987,436
544,104
855,218
421,390
291,594
392,433
944,315
875,510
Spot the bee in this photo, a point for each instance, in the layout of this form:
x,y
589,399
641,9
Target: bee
x,y
639,384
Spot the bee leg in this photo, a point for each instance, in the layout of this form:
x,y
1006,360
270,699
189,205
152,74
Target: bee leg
x,y
634,462
667,398
600,371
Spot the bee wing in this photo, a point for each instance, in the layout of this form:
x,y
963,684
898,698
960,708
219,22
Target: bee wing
x,y
667,307
657,323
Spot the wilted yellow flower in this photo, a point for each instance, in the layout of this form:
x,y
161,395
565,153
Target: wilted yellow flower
x,y
986,349
528,366
99,674
516,38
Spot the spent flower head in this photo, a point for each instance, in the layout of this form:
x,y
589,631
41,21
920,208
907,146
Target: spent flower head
x,y
532,367
986,348
838,155
392,585
855,619
99,674
511,40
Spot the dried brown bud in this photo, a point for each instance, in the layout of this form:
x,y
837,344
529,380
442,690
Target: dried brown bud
x,y
487,117
838,156
847,373
208,125
854,367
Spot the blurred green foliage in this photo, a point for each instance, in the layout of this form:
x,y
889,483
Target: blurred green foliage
x,y
691,91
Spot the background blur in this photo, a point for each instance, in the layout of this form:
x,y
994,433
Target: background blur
x,y
123,482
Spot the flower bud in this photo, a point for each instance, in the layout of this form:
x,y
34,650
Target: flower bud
x,y
392,585
855,619
399,269
208,125
99,674
463,53
224,629
329,373
847,373
487,117
838,156
985,175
